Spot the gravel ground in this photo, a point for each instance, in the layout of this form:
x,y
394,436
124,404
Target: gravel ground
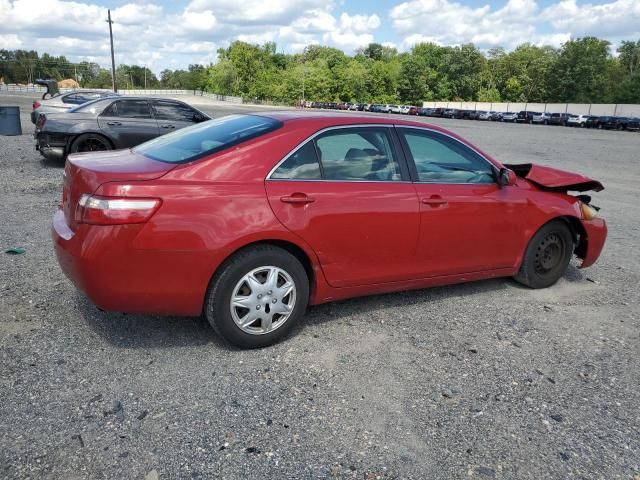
x,y
482,380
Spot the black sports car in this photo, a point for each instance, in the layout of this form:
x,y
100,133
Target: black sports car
x,y
110,124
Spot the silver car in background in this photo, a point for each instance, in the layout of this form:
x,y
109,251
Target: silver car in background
x,y
542,118
63,102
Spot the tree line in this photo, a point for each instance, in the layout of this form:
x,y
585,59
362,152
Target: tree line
x,y
583,70
25,66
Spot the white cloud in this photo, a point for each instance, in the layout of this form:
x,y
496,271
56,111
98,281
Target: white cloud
x,y
148,33
448,22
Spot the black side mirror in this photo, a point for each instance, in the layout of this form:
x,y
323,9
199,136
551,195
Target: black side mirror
x,y
506,177
198,117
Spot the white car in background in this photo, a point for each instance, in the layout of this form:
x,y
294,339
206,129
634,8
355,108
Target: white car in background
x,y
577,120
395,108
486,115
63,102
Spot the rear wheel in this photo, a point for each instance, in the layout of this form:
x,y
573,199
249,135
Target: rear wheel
x,y
547,256
90,142
257,296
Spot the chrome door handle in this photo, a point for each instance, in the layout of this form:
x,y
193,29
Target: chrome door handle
x,y
167,126
114,123
297,199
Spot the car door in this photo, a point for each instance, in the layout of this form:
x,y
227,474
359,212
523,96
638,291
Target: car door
x,y
172,115
468,222
128,122
347,194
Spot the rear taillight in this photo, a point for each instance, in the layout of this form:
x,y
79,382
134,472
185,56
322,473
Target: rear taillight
x,y
97,210
41,121
36,104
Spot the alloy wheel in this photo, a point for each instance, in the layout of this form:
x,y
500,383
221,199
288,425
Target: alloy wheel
x,y
92,144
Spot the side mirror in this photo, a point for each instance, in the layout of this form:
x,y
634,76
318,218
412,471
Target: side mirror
x,y
506,177
198,117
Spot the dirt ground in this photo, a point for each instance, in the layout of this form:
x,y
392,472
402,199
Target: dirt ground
x,y
481,380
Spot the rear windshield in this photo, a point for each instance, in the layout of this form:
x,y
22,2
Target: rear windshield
x,y
205,138
94,106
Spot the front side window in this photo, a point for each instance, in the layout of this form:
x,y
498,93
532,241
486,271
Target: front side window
x,y
441,159
196,141
166,110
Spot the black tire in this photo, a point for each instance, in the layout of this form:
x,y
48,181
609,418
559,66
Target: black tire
x,y
90,142
218,300
547,255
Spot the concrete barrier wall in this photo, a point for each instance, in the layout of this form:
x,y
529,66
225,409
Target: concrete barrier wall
x,y
39,89
621,110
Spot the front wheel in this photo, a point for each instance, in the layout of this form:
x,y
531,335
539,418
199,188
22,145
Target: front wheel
x,y
257,296
547,256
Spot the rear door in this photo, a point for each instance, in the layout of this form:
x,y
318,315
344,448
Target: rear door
x,y
347,194
172,115
129,122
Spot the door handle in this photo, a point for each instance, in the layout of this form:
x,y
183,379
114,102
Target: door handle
x,y
434,200
114,123
297,198
167,126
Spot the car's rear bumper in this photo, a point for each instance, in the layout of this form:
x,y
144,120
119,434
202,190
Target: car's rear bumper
x,y
101,262
596,235
53,150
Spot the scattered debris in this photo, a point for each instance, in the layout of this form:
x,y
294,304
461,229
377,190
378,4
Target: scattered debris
x,y
15,251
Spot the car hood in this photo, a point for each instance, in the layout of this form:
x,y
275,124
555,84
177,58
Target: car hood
x,y
554,179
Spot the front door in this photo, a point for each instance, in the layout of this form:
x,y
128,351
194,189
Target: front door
x,y
346,194
468,222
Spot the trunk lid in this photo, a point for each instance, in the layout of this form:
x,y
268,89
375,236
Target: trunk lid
x,y
554,179
85,172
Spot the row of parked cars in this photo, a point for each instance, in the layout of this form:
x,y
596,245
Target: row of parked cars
x,y
607,122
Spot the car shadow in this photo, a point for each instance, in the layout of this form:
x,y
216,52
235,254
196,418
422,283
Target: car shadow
x,y
132,331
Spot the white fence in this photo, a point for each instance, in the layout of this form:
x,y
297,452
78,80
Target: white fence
x,y
199,93
619,109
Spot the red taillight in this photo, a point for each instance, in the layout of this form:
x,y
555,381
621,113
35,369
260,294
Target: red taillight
x,y
36,104
96,210
41,121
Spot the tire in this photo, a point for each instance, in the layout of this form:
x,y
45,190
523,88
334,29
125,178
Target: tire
x,y
547,256
546,122
232,279
90,142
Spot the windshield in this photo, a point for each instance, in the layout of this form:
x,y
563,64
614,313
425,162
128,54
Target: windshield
x,y
205,138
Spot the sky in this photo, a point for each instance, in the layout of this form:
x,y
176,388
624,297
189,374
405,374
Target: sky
x,y
173,34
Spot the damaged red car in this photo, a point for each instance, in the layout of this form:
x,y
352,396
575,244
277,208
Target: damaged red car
x,y
247,219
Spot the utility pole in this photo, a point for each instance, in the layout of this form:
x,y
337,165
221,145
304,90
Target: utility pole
x,y
113,61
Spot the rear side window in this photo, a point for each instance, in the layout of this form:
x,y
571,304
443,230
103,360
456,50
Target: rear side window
x,y
345,154
301,165
205,138
129,109
72,99
358,154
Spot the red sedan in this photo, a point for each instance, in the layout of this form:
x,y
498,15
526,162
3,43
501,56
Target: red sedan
x,y
249,218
